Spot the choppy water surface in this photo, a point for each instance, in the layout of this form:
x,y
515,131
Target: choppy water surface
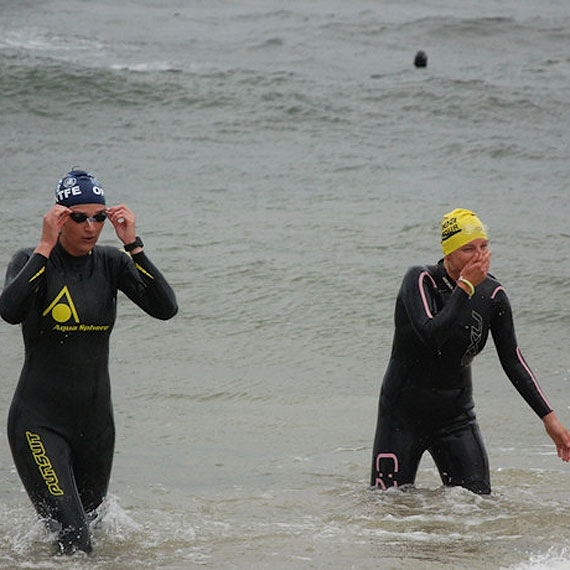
x,y
287,163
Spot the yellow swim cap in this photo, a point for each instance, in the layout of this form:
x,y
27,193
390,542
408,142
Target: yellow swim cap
x,y
458,228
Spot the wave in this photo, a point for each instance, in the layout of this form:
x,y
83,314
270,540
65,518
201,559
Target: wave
x,y
481,27
555,559
46,86
150,67
35,40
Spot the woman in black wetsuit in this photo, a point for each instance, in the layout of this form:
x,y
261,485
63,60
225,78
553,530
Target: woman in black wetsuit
x,y
64,293
443,316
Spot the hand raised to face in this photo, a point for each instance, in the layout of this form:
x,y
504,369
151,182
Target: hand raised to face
x,y
124,222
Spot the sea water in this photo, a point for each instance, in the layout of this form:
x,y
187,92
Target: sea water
x,y
287,163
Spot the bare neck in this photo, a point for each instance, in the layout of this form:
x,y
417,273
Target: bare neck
x,y
453,274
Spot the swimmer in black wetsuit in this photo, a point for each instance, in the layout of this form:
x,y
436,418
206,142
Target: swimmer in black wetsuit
x,y
63,292
443,316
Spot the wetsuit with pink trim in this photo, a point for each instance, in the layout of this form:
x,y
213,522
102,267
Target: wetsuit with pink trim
x,y
426,399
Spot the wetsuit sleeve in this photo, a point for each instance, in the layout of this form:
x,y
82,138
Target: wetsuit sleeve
x,y
512,361
24,276
143,283
418,294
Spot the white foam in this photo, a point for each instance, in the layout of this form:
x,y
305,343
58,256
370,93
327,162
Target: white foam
x,y
145,67
113,521
555,559
42,41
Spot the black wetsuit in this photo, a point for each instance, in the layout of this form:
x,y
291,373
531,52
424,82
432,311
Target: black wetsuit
x,y
60,424
426,398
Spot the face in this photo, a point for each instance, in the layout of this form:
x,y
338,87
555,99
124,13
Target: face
x,y
471,251
80,238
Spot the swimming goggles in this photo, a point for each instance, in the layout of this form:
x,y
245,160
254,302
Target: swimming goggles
x,y
80,217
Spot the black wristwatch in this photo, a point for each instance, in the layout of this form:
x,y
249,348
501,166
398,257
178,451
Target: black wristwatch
x,y
137,243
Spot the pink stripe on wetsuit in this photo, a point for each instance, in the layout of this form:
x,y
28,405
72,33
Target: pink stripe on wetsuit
x,y
424,274
520,357
427,386
497,290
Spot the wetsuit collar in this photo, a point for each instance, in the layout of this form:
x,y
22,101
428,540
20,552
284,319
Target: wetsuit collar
x,y
59,248
445,277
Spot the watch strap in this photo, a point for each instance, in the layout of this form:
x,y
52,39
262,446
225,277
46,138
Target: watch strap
x,y
137,243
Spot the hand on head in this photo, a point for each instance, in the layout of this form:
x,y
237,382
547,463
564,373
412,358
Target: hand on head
x,y
124,222
52,223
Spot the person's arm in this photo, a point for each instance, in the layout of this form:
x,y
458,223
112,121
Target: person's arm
x,y
418,294
559,435
511,358
145,285
124,222
26,271
520,374
24,276
139,279
52,223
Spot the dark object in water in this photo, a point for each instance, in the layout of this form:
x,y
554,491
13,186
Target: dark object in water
x,y
421,59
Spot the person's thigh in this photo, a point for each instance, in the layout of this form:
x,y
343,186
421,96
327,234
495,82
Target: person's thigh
x,y
396,455
461,458
92,462
43,461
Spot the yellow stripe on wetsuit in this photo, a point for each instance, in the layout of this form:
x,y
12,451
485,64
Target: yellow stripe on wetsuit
x,y
144,271
37,274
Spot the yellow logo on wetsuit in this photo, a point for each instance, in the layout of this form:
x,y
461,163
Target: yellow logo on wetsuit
x,y
62,312
43,463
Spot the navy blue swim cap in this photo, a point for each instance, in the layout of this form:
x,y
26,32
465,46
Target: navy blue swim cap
x,y
79,187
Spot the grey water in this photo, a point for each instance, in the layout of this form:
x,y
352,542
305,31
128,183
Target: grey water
x,y
287,163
